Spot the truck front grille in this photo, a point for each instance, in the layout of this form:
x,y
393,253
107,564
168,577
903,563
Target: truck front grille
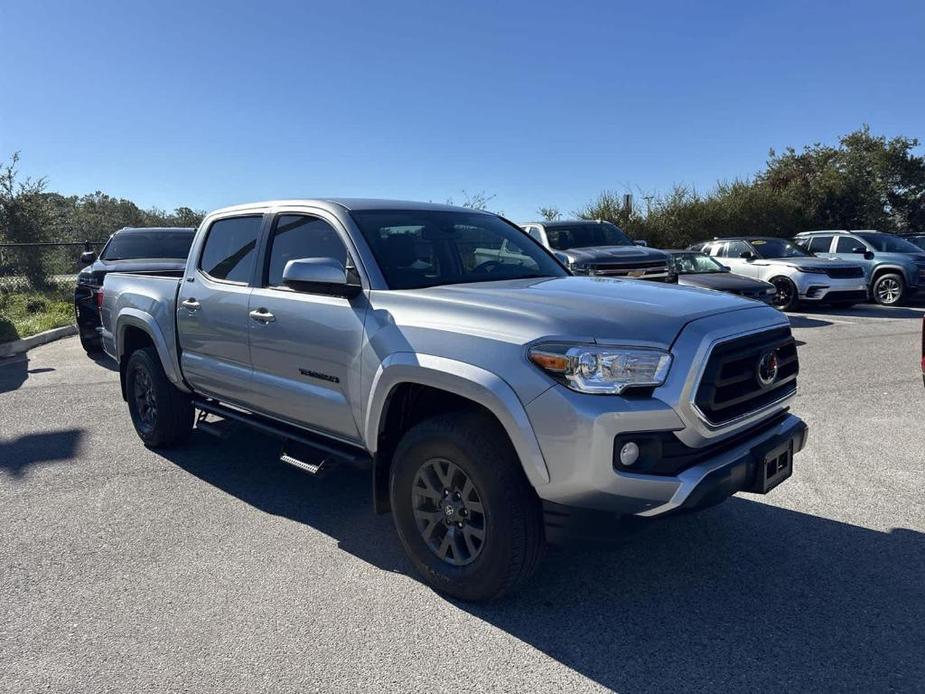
x,y
844,273
649,270
731,385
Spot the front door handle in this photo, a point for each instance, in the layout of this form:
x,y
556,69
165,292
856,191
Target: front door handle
x,y
261,315
191,304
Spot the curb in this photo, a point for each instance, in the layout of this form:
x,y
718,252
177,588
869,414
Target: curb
x,y
8,349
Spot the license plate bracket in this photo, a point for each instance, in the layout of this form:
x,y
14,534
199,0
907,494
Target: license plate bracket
x,y
774,467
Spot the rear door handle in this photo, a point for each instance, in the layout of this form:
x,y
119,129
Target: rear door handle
x,y
261,315
191,304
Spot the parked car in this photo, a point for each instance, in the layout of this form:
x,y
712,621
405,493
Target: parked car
x,y
499,404
895,267
797,275
694,269
600,248
131,249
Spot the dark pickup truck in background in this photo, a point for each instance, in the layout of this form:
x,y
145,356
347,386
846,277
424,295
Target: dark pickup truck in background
x,y
149,249
595,247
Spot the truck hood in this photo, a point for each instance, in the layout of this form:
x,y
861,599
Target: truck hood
x,y
609,254
583,308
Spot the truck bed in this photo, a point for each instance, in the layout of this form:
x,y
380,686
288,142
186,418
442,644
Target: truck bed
x,y
147,299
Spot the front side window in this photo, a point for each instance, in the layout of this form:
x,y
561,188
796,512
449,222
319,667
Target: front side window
x,y
229,253
298,236
846,244
563,237
426,248
818,244
778,248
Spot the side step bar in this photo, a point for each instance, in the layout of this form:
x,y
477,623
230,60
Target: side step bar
x,y
312,453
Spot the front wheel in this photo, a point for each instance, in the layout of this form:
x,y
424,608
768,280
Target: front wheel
x,y
162,415
889,290
787,296
464,511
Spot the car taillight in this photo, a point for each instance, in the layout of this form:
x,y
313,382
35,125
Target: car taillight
x,y
99,298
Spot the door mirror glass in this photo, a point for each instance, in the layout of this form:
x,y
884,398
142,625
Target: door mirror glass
x,y
87,257
319,276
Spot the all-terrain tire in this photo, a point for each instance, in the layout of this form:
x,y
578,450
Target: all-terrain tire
x,y
512,518
147,386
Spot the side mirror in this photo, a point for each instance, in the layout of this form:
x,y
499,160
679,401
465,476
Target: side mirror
x,y
640,243
88,257
747,255
868,255
319,276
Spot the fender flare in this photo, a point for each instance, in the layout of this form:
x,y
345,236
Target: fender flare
x,y
133,317
460,378
888,269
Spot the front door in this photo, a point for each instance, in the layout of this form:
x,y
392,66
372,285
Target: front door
x,y
212,310
305,348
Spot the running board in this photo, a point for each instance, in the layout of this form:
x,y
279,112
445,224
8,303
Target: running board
x,y
308,451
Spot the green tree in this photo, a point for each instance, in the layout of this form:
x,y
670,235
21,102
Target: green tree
x,y
24,217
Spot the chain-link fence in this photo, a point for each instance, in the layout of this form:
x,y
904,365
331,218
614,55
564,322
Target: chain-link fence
x,y
40,266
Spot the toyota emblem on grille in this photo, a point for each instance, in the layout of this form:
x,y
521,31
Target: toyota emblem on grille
x,y
767,368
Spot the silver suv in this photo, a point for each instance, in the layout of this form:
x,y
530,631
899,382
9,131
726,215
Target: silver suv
x,y
498,401
798,276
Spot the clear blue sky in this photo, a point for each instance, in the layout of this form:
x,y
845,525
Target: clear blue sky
x,y
538,103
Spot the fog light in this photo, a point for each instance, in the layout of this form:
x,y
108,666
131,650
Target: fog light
x,y
629,454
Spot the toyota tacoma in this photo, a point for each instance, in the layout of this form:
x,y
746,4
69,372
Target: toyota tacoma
x,y
498,401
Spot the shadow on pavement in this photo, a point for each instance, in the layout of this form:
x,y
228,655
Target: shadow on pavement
x,y
804,322
17,455
745,596
867,311
105,361
13,372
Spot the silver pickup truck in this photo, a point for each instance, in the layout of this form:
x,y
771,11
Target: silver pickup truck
x,y
499,401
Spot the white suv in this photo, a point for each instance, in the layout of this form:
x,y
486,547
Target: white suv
x,y
796,274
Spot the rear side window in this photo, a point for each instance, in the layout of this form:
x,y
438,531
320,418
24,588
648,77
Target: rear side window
x,y
818,244
846,244
300,236
231,249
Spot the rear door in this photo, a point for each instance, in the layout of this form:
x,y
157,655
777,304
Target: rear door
x,y
212,309
305,347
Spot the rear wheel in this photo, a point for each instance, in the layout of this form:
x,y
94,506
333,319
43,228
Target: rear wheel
x,y
787,297
162,415
889,289
464,511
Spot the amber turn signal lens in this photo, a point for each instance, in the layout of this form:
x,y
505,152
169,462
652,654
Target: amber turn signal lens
x,y
556,363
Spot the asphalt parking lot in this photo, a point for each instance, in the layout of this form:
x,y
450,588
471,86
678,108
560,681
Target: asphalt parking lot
x,y
216,568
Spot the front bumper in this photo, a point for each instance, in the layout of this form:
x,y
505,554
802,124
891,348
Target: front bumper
x,y
578,435
818,287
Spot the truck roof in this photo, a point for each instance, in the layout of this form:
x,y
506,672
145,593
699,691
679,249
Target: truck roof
x,y
352,204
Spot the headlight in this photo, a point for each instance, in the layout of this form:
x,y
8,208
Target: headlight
x,y
602,369
811,270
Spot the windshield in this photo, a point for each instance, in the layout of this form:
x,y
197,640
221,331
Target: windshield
x,y
918,241
562,237
427,248
885,243
132,245
695,264
778,248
